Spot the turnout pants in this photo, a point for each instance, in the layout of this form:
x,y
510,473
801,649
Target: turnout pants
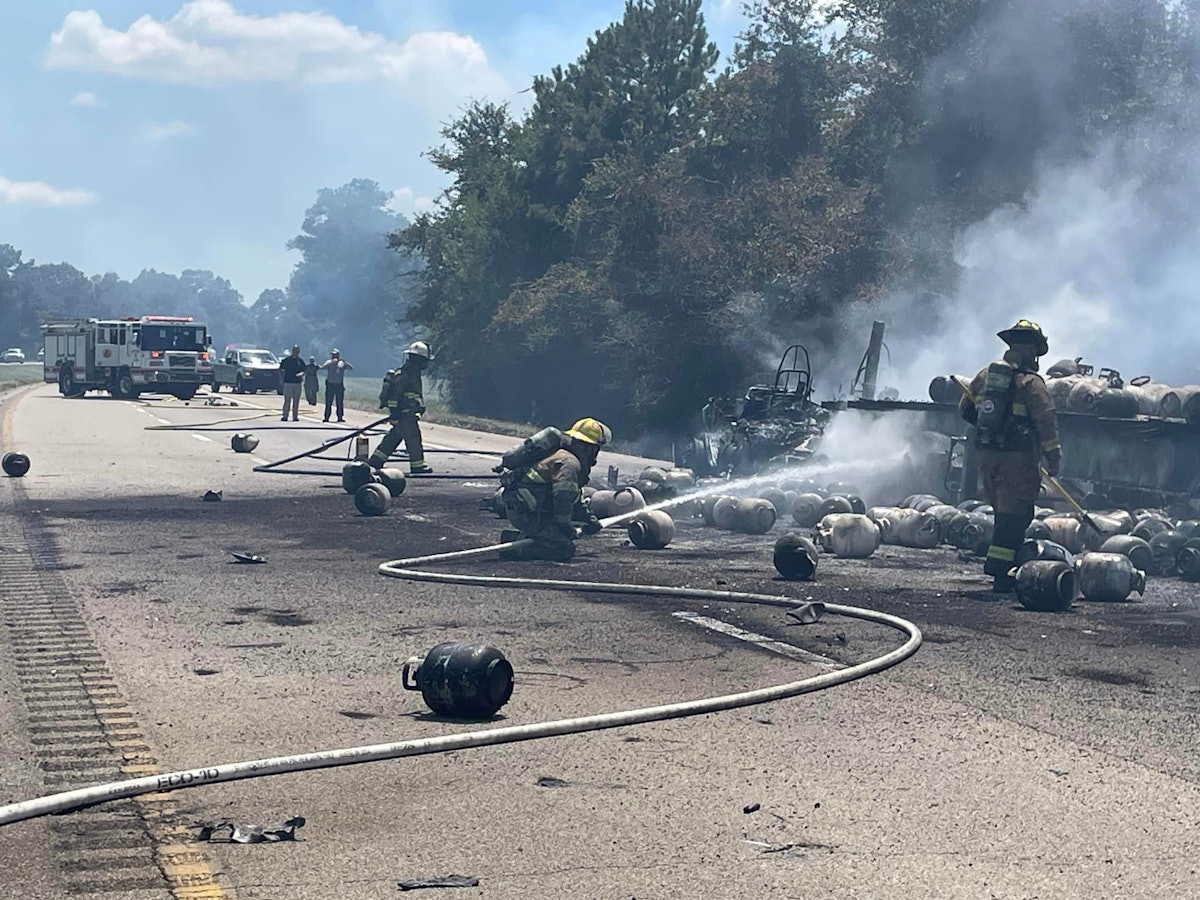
x,y
405,428
1011,483
334,392
551,540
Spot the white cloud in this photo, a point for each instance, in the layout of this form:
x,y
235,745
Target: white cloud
x,y
406,201
38,193
208,42
87,98
170,129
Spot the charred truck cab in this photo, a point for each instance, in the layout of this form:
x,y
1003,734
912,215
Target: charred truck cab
x,y
128,356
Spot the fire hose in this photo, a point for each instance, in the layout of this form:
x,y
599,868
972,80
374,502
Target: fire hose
x,y
403,569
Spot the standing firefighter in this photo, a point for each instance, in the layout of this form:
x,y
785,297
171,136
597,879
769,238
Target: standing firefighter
x,y
402,396
1015,427
543,481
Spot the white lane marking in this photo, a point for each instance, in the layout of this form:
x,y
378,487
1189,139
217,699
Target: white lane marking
x,y
261,462
162,420
759,640
201,437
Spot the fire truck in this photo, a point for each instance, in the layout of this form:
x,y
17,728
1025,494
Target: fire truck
x,y
128,356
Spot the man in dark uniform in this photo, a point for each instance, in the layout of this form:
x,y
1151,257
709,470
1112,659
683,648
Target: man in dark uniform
x,y
403,397
1013,415
542,501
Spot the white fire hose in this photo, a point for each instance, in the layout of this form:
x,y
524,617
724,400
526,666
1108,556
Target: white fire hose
x,y
401,568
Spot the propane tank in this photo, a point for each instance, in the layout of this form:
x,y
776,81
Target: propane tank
x,y
913,501
1110,524
1164,550
955,530
836,504
848,535
461,680
777,498
1117,403
393,480
681,479
1149,526
1084,395
657,474
243,442
1060,389
602,505
533,450
844,488
1046,585
1135,548
626,500
919,530
1188,560
978,532
856,503
372,499
652,530
1067,531
724,512
1190,527
355,475
807,509
1038,530
795,557
1108,577
707,506
1173,401
15,465
944,513
1043,550
754,516
969,506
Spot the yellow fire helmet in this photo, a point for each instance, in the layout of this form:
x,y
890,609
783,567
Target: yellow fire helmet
x,y
1026,331
591,431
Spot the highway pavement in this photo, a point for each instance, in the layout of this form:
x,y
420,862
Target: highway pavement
x,y
1017,755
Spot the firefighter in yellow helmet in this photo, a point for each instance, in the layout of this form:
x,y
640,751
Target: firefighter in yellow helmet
x,y
1015,428
543,497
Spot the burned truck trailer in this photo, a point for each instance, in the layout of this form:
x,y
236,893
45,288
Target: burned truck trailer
x,y
1127,463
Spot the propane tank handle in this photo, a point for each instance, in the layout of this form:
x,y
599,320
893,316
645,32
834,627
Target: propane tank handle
x,y
409,673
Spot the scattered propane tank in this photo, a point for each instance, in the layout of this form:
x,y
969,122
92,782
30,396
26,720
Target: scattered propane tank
x,y
15,465
652,530
848,535
372,499
1164,551
461,680
243,442
607,504
795,557
806,510
1039,549
1108,577
1045,585
355,475
394,480
1188,561
1135,548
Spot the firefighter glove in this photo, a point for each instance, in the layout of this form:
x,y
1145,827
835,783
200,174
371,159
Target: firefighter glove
x,y
1053,462
591,525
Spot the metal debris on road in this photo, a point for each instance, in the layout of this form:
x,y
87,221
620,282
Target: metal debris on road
x,y
752,808
807,613
548,782
247,557
212,496
440,881
251,834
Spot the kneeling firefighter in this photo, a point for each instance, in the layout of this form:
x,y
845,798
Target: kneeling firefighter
x,y
542,483
1013,415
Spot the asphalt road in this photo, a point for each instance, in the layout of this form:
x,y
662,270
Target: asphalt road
x,y
1017,755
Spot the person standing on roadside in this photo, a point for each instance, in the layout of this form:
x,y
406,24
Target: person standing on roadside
x,y
310,381
291,370
335,383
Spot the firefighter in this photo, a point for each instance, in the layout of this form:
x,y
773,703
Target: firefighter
x,y
1015,428
542,499
402,396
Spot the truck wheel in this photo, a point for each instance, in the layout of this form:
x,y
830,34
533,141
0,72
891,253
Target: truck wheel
x,y
123,386
67,386
186,393
238,388
216,387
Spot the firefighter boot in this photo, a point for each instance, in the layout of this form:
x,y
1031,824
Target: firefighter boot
x,y
1006,539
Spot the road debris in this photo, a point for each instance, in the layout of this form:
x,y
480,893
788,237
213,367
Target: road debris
x,y
15,465
752,808
247,557
251,834
212,496
439,881
547,782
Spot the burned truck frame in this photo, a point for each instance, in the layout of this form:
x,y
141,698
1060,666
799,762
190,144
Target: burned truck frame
x,y
771,424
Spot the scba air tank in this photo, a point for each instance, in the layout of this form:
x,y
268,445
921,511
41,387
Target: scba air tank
x,y
533,450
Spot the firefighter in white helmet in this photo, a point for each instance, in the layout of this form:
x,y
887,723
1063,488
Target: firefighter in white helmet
x,y
543,497
402,396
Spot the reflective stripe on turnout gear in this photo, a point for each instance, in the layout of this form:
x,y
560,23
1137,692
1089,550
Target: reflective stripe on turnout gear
x,y
1003,553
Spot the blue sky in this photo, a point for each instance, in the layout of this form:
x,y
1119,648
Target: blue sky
x,y
175,134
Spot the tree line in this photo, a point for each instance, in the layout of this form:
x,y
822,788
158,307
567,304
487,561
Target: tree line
x,y
641,237
348,289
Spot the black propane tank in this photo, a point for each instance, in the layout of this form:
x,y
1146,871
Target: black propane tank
x,y
15,465
461,680
355,475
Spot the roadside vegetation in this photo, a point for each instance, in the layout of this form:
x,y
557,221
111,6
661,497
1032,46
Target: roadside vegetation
x,y
14,375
